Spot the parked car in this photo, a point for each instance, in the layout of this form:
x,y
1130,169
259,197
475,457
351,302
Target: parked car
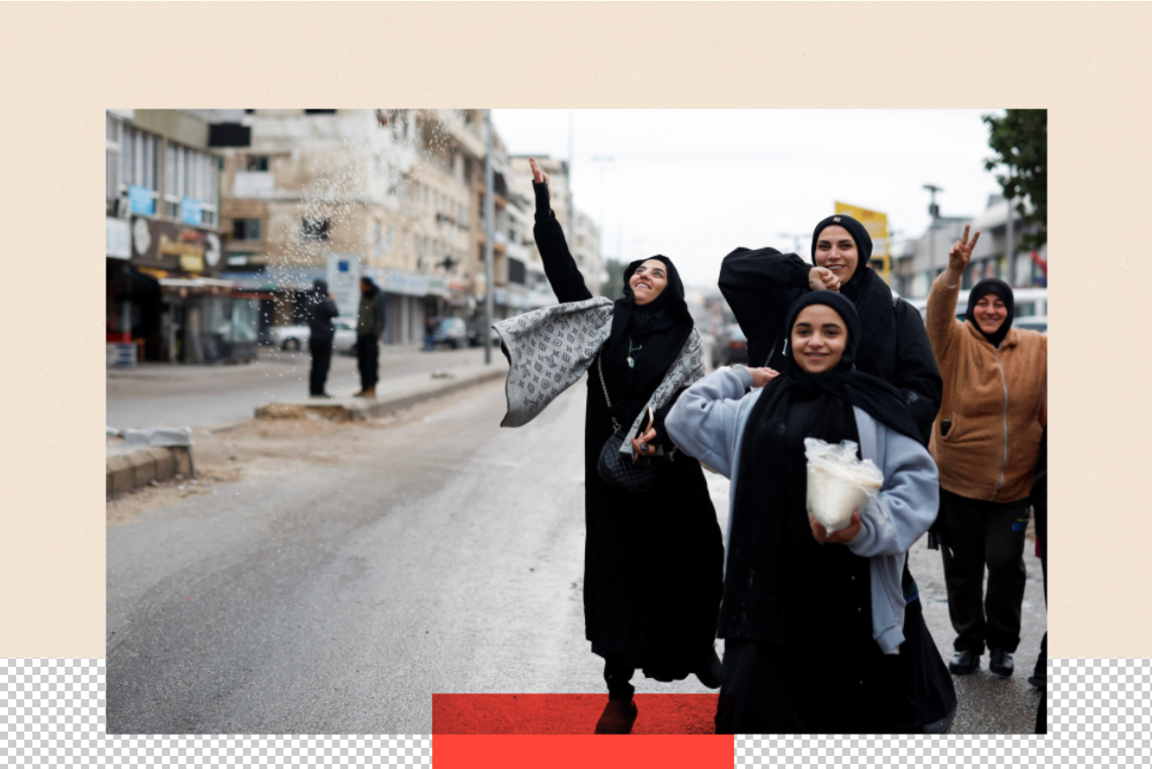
x,y
289,337
450,331
730,347
476,335
1032,323
344,340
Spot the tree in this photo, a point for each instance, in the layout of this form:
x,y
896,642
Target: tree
x,y
1020,140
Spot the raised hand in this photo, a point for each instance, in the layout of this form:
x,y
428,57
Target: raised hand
x,y
539,177
820,278
961,252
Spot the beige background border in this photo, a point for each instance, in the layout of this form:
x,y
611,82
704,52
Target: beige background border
x,y
62,64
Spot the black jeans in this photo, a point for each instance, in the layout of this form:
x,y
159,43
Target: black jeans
x,y
992,534
321,360
368,359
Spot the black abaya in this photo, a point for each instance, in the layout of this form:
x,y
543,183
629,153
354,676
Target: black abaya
x,y
653,562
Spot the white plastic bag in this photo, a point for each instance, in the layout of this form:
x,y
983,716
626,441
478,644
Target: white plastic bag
x,y
838,482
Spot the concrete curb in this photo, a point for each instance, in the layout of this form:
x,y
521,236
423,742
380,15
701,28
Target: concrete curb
x,y
126,472
403,395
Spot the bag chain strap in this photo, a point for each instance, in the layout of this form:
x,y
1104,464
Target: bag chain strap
x,y
615,424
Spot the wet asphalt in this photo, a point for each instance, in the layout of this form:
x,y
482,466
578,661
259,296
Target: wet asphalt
x,y
447,557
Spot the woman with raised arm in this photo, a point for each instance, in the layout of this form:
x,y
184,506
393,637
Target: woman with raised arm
x,y
986,441
812,621
653,561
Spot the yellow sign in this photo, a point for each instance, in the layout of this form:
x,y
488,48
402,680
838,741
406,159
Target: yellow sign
x,y
876,225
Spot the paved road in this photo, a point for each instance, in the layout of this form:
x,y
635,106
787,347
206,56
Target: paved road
x,y
445,557
165,394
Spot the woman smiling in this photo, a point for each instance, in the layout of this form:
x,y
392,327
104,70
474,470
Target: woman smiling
x,y
986,441
813,622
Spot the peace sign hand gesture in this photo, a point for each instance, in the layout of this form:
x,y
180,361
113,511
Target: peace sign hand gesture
x,y
961,252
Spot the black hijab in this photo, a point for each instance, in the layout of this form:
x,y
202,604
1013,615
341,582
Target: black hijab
x,y
870,295
660,328
782,586
1000,289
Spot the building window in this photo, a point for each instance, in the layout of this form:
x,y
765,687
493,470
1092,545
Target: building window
x,y
246,229
315,229
256,163
190,174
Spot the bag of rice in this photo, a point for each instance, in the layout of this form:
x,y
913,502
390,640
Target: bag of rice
x,y
838,482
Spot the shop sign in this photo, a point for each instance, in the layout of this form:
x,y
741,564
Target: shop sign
x,y
118,238
170,247
141,200
190,211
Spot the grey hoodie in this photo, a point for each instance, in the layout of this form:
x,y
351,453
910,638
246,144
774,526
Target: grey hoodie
x,y
708,423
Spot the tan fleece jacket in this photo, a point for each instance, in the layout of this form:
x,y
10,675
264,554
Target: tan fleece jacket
x,y
993,400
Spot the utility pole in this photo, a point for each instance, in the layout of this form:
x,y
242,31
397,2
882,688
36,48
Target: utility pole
x,y
934,210
489,227
602,160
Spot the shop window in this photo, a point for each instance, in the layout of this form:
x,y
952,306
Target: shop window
x,y
315,229
246,229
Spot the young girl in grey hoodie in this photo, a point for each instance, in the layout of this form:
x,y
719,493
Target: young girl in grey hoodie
x,y
812,621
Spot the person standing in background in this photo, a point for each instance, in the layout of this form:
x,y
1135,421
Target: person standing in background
x,y
986,442
369,329
321,311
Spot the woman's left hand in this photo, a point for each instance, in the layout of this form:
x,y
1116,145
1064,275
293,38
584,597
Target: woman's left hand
x,y
644,447
841,537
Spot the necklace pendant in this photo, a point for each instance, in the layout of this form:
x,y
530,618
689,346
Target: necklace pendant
x,y
631,363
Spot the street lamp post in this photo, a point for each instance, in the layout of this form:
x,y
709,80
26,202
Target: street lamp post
x,y
934,210
489,226
602,160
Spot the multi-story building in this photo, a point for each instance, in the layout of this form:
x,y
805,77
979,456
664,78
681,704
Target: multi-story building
x,y
581,232
340,194
917,262
165,297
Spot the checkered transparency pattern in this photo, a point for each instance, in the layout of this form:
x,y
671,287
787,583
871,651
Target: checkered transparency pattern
x,y
52,714
1098,711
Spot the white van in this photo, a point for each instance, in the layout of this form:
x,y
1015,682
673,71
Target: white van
x,y
1029,303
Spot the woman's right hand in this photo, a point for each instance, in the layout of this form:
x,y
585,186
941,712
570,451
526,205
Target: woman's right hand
x,y
961,252
763,375
820,278
539,177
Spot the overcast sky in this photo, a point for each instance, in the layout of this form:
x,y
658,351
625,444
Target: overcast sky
x,y
694,184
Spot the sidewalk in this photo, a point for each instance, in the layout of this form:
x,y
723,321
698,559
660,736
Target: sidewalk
x,y
131,466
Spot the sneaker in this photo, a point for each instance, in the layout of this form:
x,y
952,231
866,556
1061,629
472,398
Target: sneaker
x,y
963,663
1001,663
617,717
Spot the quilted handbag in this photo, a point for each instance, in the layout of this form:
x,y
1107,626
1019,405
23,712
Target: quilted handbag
x,y
638,474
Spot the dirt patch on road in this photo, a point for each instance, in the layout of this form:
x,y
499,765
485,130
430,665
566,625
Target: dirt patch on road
x,y
271,446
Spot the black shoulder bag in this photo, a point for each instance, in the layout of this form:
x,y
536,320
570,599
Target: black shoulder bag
x,y
640,473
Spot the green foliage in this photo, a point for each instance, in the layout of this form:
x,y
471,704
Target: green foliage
x,y
1020,140
613,288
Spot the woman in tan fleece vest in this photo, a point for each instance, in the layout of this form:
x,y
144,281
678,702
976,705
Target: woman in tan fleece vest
x,y
985,441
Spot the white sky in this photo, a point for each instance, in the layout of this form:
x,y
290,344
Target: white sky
x,y
694,184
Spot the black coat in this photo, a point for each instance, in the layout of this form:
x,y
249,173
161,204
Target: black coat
x,y
321,311
761,285
653,562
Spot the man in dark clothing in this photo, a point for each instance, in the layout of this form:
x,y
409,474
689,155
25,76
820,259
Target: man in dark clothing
x,y
369,329
321,311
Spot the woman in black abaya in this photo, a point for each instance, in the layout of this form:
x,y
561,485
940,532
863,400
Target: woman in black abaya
x,y
653,565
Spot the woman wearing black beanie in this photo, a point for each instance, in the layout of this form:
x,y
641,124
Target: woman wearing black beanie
x,y
760,285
